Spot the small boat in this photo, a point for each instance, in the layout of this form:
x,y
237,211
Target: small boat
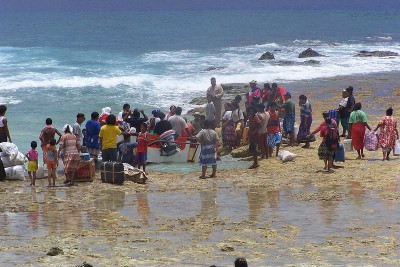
x,y
166,149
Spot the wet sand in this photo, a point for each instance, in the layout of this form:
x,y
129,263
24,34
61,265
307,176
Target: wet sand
x,y
281,214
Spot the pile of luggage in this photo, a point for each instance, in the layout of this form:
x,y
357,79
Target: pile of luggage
x,y
13,163
118,173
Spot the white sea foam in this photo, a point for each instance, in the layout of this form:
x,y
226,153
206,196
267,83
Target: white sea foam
x,y
384,38
171,75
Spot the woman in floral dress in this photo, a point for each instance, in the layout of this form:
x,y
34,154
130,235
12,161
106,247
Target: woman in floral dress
x,y
388,133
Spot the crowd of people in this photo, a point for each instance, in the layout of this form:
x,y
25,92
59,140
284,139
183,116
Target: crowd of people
x,y
265,121
269,118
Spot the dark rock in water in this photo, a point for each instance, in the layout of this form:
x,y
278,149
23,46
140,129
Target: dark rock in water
x,y
54,251
213,68
267,56
277,50
311,62
226,248
309,53
199,101
365,53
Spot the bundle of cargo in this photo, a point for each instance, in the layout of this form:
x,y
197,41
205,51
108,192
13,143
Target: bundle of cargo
x,y
13,161
134,174
85,171
112,173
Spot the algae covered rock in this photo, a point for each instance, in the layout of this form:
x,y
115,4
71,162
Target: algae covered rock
x,y
199,101
225,247
54,251
241,152
85,264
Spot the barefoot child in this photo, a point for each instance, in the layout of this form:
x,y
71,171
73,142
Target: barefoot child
x,y
208,140
32,156
51,161
141,150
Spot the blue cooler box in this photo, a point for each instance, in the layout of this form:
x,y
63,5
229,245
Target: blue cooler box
x,y
339,153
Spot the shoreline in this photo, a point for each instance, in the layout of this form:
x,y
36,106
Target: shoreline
x,y
385,80
278,214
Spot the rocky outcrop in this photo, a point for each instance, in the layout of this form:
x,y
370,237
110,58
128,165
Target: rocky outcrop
x,y
213,68
234,89
199,101
309,53
201,110
267,56
376,54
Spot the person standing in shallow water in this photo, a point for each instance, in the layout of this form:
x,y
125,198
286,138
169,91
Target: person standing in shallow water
x,y
208,140
216,91
4,132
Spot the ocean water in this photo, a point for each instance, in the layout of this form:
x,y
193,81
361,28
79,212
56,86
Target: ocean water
x,y
56,64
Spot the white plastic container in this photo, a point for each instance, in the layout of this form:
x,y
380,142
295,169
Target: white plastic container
x,y
296,130
347,144
41,172
396,150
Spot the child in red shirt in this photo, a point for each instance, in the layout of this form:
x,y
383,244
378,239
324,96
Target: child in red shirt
x,y
141,150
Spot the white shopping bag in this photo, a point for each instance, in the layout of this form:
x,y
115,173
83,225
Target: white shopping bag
x,y
396,150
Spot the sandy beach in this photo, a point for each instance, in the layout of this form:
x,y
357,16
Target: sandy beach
x,y
281,214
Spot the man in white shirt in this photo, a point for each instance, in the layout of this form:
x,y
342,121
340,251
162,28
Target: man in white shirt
x,y
125,113
76,127
177,122
217,92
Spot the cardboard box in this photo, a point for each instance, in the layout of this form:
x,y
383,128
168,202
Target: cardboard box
x,y
85,172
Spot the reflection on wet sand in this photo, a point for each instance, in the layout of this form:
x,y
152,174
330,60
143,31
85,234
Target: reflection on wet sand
x,y
256,199
357,193
187,225
142,203
328,210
